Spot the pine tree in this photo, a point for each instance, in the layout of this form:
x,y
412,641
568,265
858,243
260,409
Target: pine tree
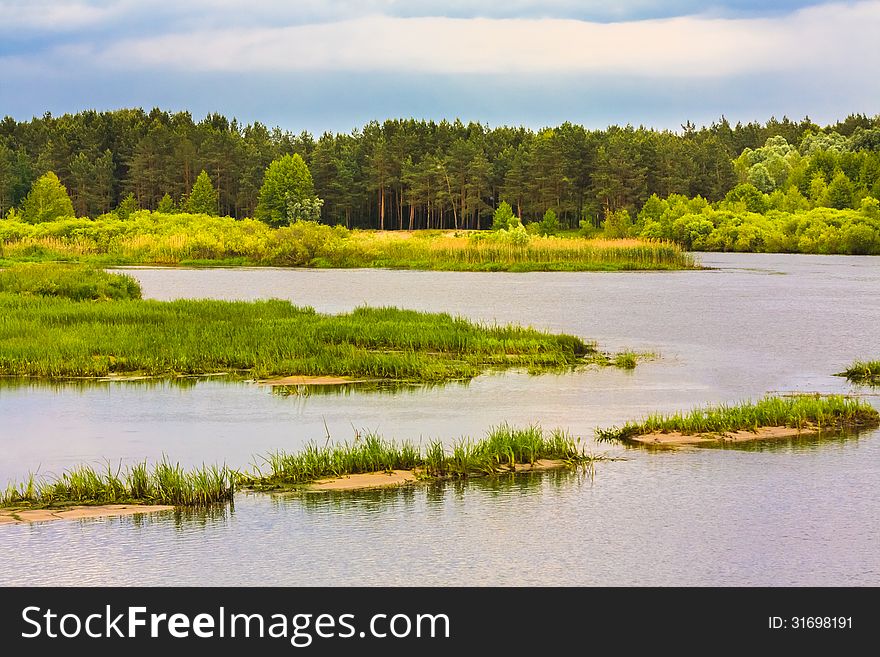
x,y
204,198
127,207
166,205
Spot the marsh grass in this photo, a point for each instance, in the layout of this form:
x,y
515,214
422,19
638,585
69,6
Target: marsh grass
x,y
174,239
831,413
864,372
57,338
76,282
503,448
164,483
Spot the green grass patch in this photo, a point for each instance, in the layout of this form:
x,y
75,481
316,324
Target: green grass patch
x,y
164,483
76,282
500,451
864,372
833,412
53,337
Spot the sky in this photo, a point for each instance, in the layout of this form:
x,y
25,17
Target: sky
x,y
337,64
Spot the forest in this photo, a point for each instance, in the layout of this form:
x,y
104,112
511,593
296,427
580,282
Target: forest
x,y
778,186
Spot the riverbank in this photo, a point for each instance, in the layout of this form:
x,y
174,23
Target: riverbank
x,y
191,239
22,516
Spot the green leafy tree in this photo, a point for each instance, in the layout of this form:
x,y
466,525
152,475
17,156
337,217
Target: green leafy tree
x,y
746,197
549,224
287,184
618,223
127,207
166,205
48,200
840,192
760,177
870,207
504,219
203,199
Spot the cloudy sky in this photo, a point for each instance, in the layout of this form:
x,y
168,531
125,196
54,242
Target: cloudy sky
x,y
336,64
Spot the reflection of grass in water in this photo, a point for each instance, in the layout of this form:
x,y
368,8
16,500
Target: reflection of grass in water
x,y
437,492
802,443
369,387
149,383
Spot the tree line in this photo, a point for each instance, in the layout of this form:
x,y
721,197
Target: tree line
x,y
411,174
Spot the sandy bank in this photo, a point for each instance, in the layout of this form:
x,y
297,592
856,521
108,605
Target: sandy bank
x,y
678,439
18,516
402,477
310,381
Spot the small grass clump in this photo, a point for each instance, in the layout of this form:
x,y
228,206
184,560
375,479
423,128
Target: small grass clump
x,y
832,412
864,372
502,450
165,483
76,282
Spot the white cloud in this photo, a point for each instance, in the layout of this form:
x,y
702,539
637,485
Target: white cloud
x,y
824,37
43,15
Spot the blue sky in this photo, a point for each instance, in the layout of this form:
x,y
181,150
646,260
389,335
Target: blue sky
x,y
335,64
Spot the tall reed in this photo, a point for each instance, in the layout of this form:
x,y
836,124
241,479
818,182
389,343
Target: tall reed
x,y
502,449
165,483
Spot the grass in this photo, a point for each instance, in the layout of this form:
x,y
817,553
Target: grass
x,y
832,412
53,337
164,483
167,483
866,372
502,449
154,238
76,282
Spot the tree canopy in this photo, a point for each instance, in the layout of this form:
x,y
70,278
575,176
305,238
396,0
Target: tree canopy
x,y
47,201
414,174
287,192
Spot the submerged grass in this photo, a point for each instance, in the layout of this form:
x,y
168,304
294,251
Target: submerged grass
x,y
865,372
165,483
831,412
56,338
503,448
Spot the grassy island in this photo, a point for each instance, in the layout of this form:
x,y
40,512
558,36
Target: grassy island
x,y
367,462
164,483
864,372
771,417
46,331
504,449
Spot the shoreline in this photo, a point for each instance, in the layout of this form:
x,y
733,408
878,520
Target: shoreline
x,y
12,516
390,478
675,439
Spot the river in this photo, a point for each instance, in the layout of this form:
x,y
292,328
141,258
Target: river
x,y
794,513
